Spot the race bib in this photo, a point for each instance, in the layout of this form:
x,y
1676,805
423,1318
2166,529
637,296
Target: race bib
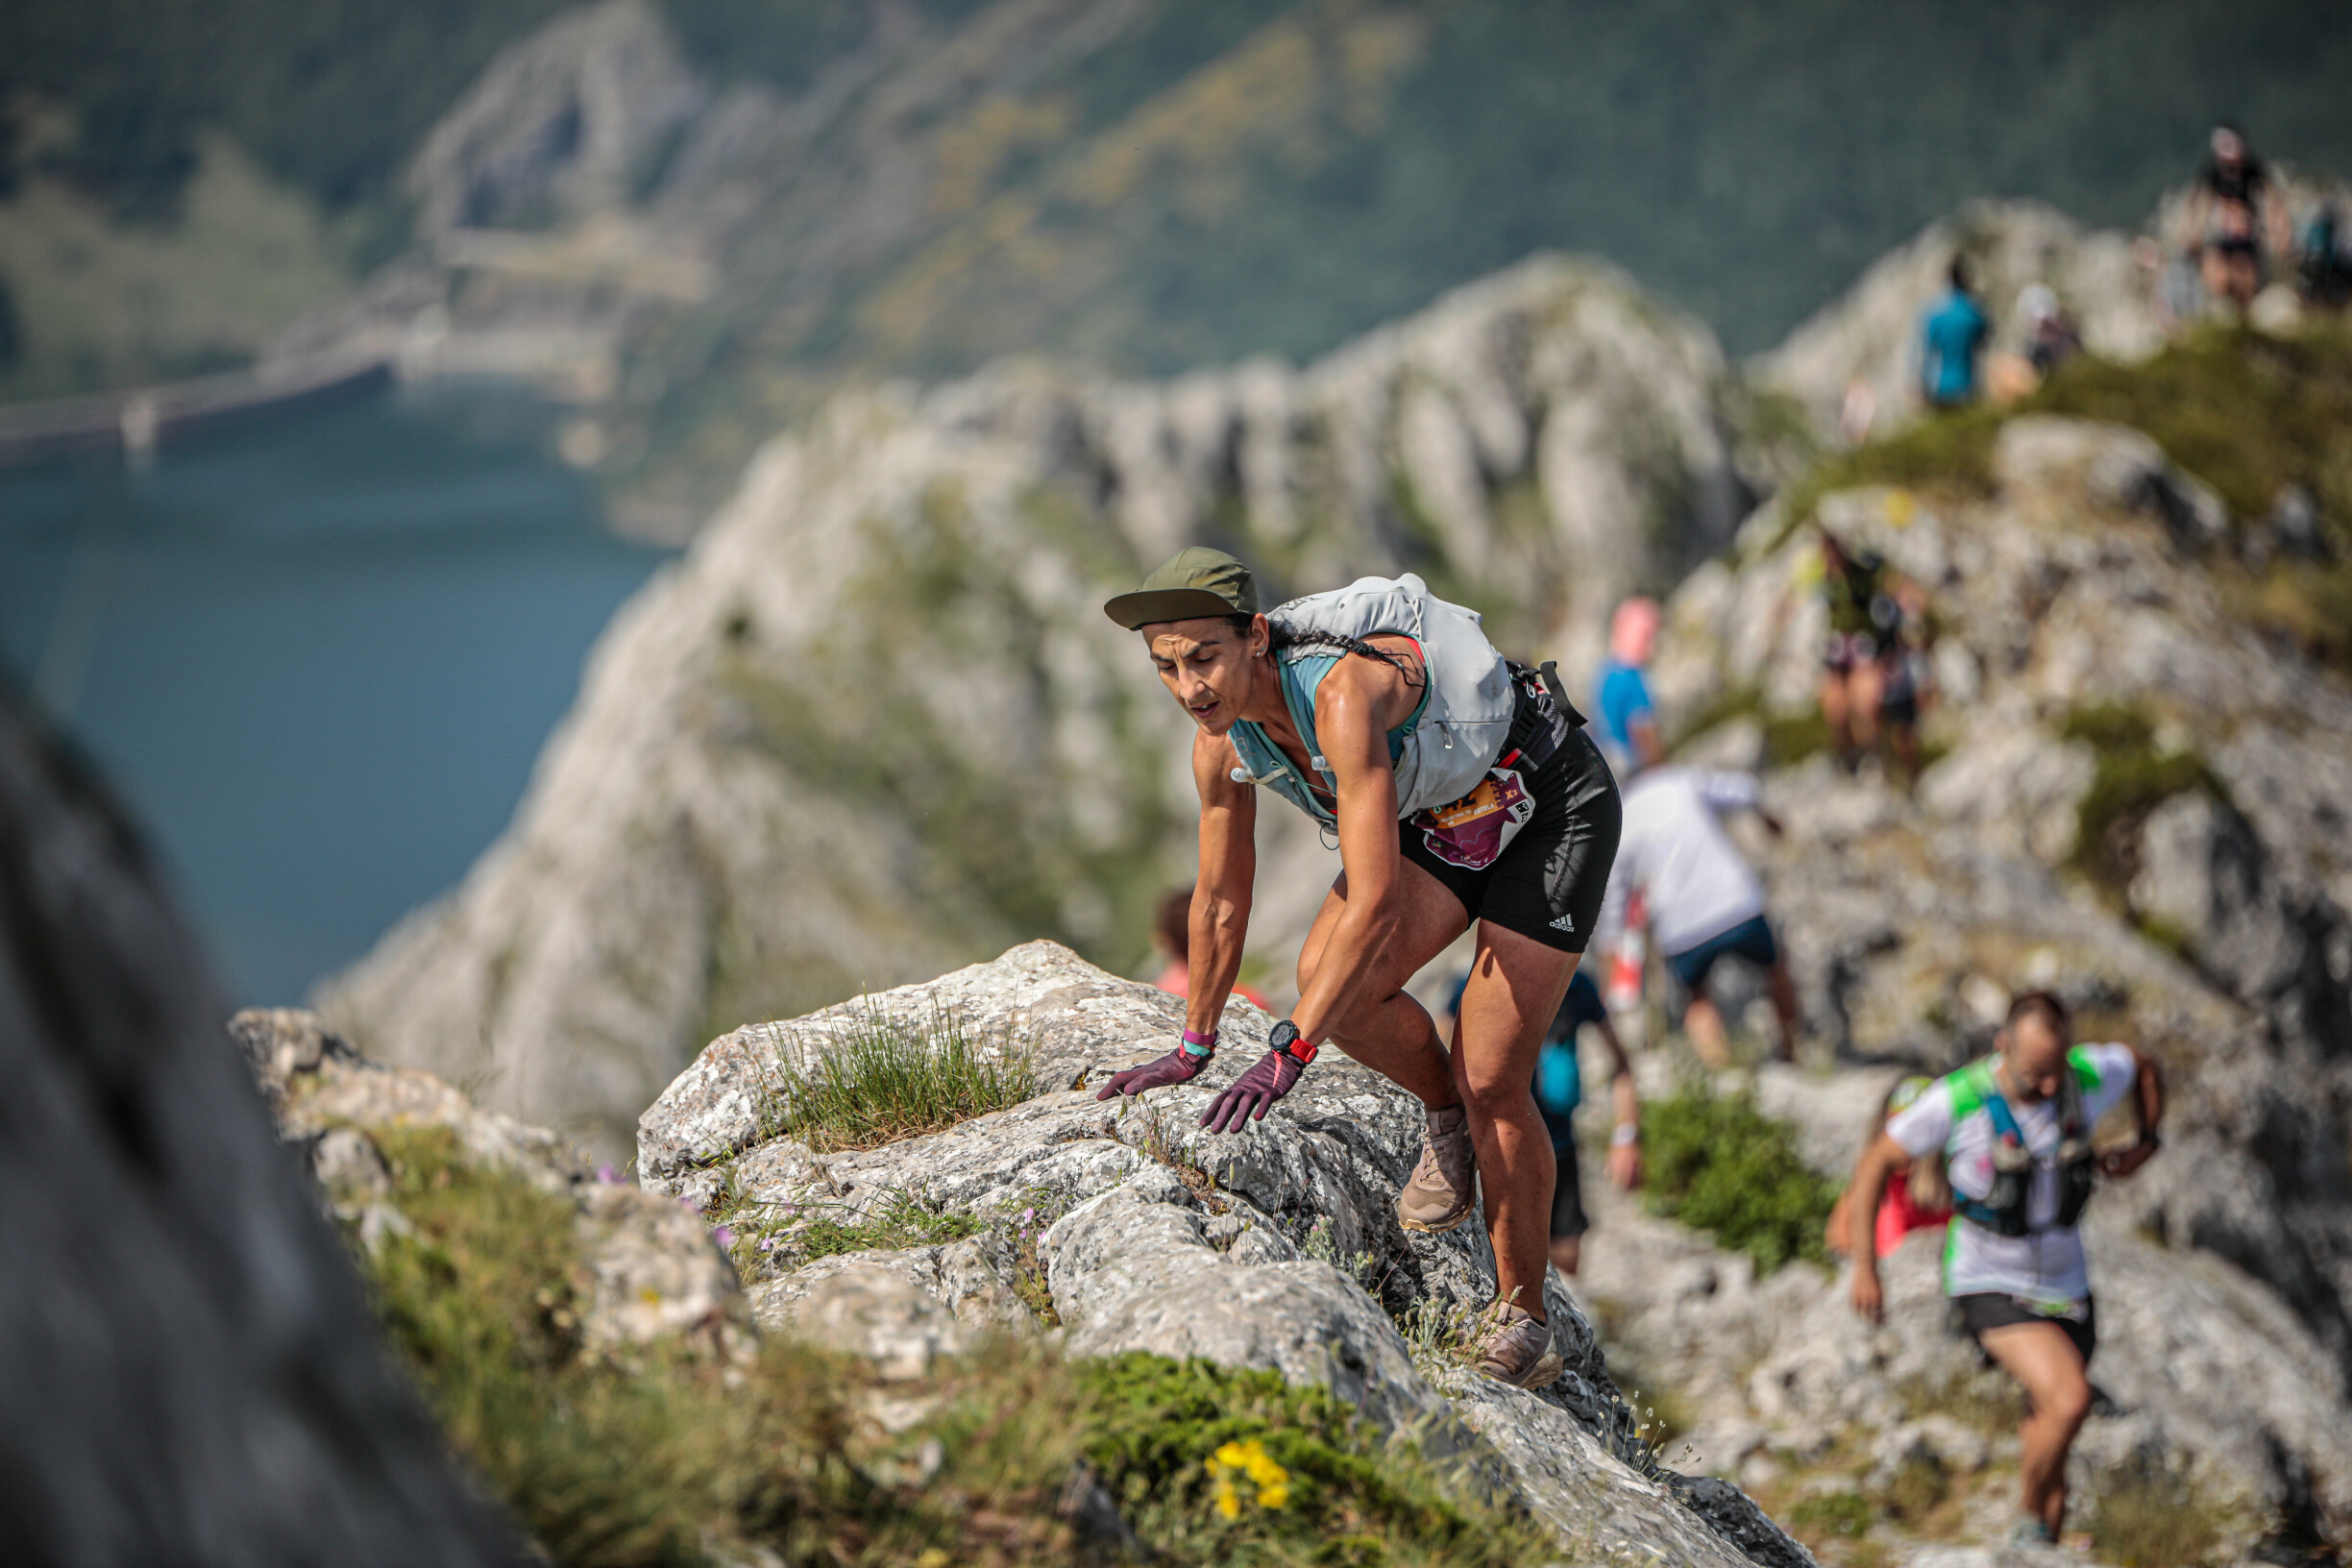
x,y
1472,831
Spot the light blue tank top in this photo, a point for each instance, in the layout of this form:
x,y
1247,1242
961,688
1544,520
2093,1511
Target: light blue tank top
x,y
1302,671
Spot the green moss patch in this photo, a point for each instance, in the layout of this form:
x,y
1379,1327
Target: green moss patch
x,y
1717,1163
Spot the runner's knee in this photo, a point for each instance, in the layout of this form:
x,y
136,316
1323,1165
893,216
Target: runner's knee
x,y
2068,1402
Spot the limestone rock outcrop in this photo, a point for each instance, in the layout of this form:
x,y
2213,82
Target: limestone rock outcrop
x,y
875,723
1272,1247
189,1370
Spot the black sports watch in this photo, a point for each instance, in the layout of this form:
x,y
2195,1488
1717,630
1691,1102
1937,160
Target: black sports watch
x,y
1284,1036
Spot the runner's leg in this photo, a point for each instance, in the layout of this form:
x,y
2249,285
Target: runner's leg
x,y
2048,1367
1833,710
1515,987
1783,990
1865,686
1387,1030
1703,1022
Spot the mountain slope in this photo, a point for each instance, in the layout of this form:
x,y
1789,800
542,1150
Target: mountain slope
x,y
874,722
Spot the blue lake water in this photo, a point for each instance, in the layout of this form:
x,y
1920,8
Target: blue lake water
x,y
317,658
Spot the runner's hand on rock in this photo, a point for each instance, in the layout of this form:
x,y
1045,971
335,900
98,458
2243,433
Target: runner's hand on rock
x,y
1268,1080
1178,1066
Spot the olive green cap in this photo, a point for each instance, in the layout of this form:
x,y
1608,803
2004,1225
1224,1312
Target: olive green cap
x,y
1191,583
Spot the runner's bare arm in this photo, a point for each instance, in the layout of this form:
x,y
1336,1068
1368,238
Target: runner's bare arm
x,y
1228,873
1624,1166
2147,1087
1879,1161
1354,730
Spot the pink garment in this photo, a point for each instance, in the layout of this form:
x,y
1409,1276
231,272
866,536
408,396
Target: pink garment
x,y
1177,980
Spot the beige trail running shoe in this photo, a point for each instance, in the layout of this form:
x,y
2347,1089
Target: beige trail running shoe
x,y
1515,1348
1444,1184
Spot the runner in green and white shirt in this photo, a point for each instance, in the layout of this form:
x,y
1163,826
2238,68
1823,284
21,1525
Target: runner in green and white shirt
x,y
2015,1132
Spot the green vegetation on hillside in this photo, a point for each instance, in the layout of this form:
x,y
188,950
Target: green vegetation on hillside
x,y
1715,1162
1236,176
671,1456
2250,414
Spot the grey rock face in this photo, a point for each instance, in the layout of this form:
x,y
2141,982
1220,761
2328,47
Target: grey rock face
x,y
874,723
1273,1247
188,1371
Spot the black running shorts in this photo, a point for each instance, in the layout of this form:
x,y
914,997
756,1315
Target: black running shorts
x,y
1974,1314
1567,1194
1547,882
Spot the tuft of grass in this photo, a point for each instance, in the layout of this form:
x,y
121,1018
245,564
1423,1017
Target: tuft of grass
x,y
1438,1337
2131,780
794,1233
1830,1516
885,1078
1717,1163
1350,1498
2151,1517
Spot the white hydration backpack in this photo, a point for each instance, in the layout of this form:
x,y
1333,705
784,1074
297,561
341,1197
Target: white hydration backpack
x,y
1443,752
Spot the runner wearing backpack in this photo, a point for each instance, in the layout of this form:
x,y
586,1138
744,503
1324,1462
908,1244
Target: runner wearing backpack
x,y
2016,1130
1457,787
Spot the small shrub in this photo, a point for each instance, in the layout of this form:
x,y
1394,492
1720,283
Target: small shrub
x,y
1438,1337
1717,1163
885,1078
1947,453
2150,1517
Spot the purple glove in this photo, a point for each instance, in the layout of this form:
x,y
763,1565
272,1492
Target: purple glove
x,y
1268,1080
1177,1067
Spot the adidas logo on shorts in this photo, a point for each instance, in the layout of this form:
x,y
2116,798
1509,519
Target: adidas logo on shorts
x,y
1566,923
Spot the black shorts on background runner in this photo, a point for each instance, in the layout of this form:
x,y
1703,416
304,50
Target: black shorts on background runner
x,y
1974,1314
1549,881
1567,1196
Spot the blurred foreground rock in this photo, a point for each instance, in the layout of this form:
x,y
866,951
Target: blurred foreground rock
x,y
1276,1247
188,1371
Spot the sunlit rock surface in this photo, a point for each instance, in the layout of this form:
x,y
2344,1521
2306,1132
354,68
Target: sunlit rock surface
x,y
1273,1247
